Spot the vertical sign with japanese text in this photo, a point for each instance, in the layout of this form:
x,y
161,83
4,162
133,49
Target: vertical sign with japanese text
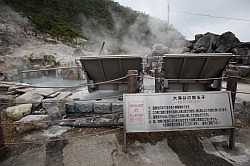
x,y
177,111
136,112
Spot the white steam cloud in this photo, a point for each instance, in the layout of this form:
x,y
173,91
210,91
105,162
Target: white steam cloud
x,y
138,38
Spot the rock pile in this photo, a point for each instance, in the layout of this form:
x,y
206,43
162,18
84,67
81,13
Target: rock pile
x,y
50,106
225,43
208,43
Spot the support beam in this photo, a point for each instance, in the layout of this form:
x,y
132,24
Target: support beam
x,y
132,81
232,83
232,86
132,88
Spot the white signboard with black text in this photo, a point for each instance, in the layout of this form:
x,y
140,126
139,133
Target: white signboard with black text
x,y
177,111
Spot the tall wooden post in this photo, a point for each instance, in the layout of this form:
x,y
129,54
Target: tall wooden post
x,y
232,86
132,88
132,81
232,83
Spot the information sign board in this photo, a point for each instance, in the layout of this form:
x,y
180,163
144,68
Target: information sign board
x,y
177,111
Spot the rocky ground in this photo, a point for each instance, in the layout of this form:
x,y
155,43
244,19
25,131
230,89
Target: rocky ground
x,y
92,146
101,146
22,44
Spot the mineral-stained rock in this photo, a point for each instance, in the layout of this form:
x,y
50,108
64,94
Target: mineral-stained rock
x,y
33,122
83,107
102,108
19,111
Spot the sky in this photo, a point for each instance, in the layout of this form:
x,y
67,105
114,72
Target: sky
x,y
185,15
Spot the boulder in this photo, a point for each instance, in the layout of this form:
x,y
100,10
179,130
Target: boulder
x,y
20,89
30,97
159,50
18,112
62,96
54,113
33,122
188,44
206,43
198,36
226,42
46,92
6,98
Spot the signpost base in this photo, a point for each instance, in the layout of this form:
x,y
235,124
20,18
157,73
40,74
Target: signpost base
x,y
231,138
125,141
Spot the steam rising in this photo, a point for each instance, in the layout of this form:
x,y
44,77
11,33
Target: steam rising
x,y
137,38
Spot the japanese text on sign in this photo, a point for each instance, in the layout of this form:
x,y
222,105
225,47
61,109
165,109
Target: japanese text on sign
x,y
177,111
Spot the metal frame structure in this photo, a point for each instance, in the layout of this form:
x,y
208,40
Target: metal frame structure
x,y
110,67
193,72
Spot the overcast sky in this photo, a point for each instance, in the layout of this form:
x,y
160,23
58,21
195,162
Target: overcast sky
x,y
182,18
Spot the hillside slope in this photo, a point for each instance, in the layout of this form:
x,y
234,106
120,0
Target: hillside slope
x,y
97,20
